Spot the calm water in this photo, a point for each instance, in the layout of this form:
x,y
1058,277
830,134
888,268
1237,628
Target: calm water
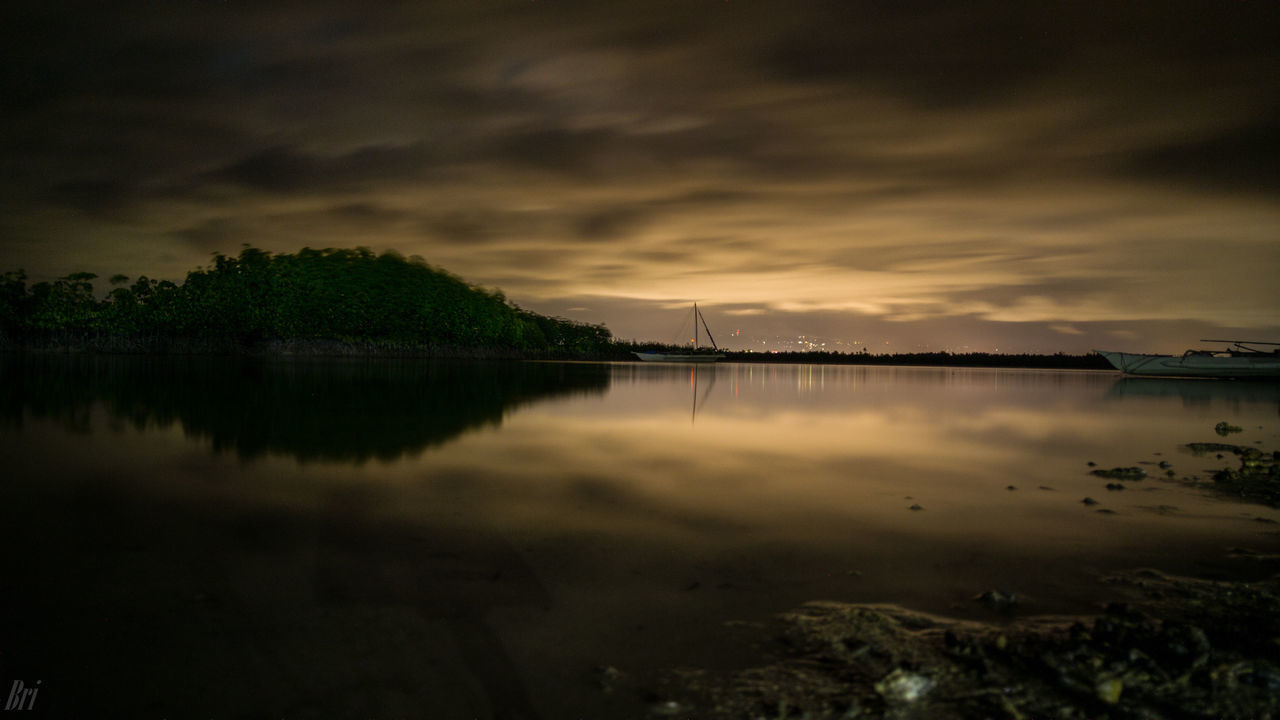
x,y
221,538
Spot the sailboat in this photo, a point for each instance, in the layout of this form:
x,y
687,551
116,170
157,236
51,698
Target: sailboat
x,y
688,357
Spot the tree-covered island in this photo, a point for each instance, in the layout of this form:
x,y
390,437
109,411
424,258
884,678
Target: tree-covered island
x,y
333,301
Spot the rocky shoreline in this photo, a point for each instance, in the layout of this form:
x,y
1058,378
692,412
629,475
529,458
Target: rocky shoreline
x,y
1174,647
1165,647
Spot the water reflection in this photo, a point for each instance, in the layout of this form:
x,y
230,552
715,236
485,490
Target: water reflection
x,y
1199,392
527,522
330,411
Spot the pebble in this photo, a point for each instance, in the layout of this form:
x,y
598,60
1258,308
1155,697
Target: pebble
x,y
998,599
904,686
1122,473
1109,689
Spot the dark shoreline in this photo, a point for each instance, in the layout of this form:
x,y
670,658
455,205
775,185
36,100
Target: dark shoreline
x,y
620,352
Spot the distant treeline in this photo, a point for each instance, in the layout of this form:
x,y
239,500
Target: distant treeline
x,y
1057,361
325,301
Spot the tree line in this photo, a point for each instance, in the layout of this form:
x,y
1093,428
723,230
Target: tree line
x,y
348,296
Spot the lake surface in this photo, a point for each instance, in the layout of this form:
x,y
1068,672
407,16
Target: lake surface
x,y
235,538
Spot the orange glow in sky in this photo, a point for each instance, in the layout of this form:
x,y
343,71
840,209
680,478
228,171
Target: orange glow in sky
x,y
1057,178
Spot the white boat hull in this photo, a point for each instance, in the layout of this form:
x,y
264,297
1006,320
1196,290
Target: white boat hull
x,y
1193,365
679,357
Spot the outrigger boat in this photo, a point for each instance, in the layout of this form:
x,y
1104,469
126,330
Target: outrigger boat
x,y
1239,361
688,357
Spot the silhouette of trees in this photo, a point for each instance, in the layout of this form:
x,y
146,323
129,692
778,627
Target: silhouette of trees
x,y
345,295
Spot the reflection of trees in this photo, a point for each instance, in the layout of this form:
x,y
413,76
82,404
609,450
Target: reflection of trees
x,y
346,411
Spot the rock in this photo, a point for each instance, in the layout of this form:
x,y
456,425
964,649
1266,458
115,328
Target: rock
x,y
915,507
904,686
665,708
998,599
1115,486
1165,464
1122,473
1225,428
1011,487
1108,690
606,677
1200,448
1089,501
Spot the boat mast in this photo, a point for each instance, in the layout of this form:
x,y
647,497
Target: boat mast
x,y
704,327
695,326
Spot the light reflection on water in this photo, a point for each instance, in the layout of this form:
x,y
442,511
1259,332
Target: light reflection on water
x,y
520,523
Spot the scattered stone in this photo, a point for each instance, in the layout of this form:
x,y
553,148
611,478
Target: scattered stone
x,y
1105,511
1201,448
1011,487
606,677
902,686
1045,487
1225,428
1256,480
1122,473
915,507
1165,464
1108,690
1089,501
665,708
1092,464
998,599
1115,486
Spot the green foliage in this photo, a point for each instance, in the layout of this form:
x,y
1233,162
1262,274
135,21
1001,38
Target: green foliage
x,y
13,301
345,295
64,304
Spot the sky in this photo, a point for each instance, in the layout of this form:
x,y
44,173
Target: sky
x,y
897,175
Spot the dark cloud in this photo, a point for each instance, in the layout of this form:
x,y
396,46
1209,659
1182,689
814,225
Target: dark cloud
x,y
212,234
561,150
463,227
94,197
928,53
285,169
366,212
612,223
1244,159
